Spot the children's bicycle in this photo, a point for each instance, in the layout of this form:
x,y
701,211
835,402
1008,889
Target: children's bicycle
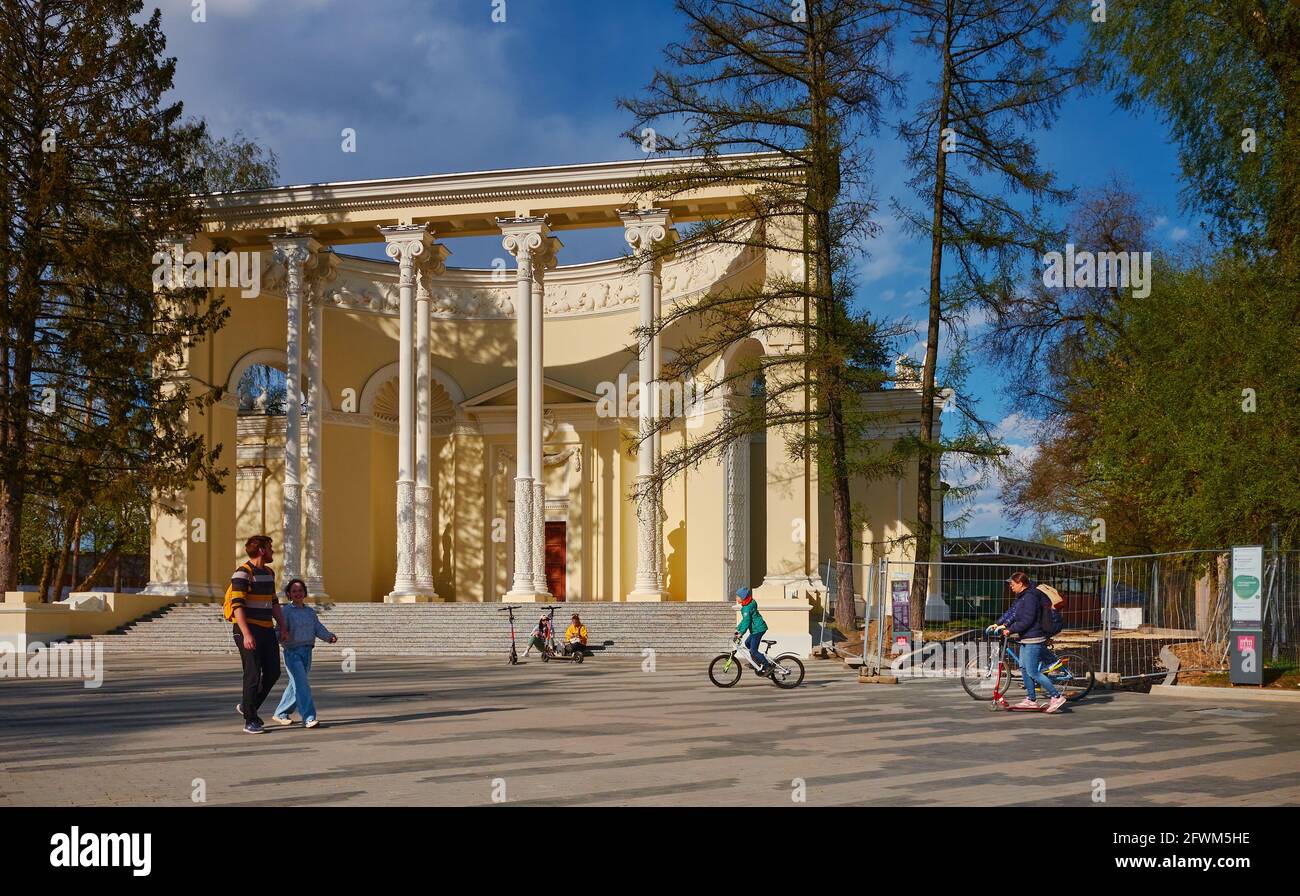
x,y
786,670
992,673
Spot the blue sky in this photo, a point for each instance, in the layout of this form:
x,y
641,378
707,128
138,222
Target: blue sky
x,y
437,86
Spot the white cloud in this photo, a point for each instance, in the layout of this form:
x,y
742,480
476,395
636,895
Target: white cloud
x,y
1178,234
1017,424
426,89
889,253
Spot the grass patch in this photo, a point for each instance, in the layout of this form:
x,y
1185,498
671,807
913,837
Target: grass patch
x,y
1276,677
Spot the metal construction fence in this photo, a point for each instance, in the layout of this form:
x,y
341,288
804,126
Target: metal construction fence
x,y
1120,612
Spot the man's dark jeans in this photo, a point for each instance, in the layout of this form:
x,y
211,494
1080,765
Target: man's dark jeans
x,y
261,667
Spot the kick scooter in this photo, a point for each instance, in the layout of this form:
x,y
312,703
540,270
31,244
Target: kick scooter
x,y
1003,684
514,654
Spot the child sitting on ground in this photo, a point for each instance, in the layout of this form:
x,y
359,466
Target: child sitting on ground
x,y
575,637
540,638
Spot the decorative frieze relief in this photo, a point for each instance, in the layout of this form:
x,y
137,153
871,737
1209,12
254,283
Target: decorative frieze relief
x,y
462,294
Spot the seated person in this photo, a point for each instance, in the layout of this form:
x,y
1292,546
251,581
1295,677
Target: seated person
x,y
540,637
575,637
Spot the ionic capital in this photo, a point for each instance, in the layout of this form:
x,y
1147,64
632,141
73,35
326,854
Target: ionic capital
x,y
427,266
295,251
323,271
644,228
524,237
406,243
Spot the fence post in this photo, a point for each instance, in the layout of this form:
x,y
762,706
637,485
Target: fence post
x,y
867,608
1107,613
882,586
826,604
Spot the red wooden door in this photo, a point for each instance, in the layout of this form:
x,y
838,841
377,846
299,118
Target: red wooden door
x,y
556,558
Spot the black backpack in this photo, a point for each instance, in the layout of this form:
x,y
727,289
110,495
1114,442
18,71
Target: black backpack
x,y
1050,619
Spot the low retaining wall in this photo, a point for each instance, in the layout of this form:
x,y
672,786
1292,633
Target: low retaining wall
x,y
24,620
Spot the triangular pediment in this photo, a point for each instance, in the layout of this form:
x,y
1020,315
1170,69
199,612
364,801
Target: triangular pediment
x,y
552,393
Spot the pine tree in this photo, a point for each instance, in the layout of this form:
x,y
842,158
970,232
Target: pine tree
x,y
100,170
802,83
970,154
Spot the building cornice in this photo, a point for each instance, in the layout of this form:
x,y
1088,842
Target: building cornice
x,y
511,186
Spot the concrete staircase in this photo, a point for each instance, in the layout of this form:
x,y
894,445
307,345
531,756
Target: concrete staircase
x,y
468,630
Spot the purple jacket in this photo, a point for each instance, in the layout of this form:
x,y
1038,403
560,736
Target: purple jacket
x,y
1024,617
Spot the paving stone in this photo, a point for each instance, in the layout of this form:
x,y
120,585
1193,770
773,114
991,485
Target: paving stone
x,y
453,731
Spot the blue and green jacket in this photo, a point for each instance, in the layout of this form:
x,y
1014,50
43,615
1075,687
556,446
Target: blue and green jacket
x,y
750,619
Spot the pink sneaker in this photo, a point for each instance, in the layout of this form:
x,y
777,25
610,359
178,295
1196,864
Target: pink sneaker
x,y
1026,704
1055,704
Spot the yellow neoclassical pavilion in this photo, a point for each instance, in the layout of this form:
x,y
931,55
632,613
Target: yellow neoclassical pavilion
x,y
471,435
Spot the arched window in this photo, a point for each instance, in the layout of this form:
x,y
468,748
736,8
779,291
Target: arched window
x,y
261,392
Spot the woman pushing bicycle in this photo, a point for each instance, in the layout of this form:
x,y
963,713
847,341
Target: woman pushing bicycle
x,y
1025,618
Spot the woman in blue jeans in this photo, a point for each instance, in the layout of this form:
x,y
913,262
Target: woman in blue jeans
x,y
303,628
1024,618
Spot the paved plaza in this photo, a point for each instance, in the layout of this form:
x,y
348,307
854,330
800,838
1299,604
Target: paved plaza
x,y
461,732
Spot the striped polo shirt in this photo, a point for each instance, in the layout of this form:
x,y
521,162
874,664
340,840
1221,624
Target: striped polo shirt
x,y
254,590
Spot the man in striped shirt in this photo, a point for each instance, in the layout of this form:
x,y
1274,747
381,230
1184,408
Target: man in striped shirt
x,y
257,614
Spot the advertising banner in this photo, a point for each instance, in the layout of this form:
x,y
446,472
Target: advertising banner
x,y
1247,586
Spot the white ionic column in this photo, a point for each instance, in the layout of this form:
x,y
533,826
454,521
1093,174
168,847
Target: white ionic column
x,y
736,478
318,279
427,266
522,237
295,252
544,258
405,244
657,364
643,229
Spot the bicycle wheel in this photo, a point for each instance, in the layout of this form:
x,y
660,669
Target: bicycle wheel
x,y
980,676
1075,678
788,673
724,671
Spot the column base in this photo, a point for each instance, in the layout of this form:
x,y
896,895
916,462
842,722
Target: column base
x,y
526,597
775,587
788,621
412,598
646,597
187,591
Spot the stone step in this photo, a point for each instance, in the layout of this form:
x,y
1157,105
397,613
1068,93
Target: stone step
x,y
408,651
470,630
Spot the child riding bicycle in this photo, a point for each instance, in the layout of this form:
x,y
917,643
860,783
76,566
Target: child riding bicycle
x,y
752,621
1024,619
